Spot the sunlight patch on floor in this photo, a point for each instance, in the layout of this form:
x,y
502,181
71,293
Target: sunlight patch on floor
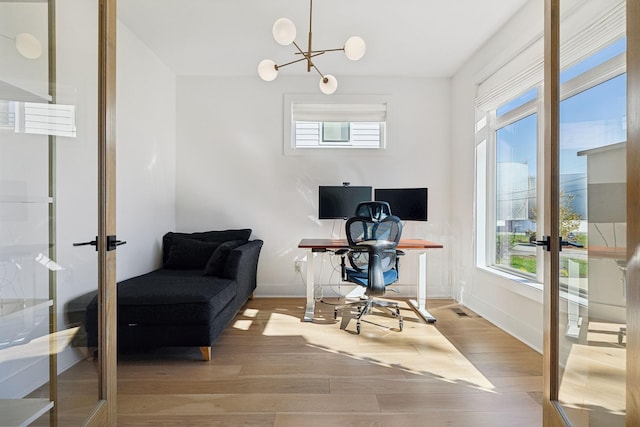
x,y
419,349
594,371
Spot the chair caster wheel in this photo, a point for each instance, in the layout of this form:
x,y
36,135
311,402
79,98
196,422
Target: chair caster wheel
x,y
397,311
358,329
335,314
401,322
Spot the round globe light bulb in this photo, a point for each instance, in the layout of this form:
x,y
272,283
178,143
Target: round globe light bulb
x,y
267,70
28,46
330,85
284,31
355,48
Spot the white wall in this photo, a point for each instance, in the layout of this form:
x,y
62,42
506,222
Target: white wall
x,y
145,155
231,170
512,306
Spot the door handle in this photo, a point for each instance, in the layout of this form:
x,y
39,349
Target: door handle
x,y
112,243
92,243
546,242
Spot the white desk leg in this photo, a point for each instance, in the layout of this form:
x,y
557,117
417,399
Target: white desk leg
x,y
420,305
311,302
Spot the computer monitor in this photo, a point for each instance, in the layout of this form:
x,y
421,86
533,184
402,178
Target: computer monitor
x,y
408,204
339,202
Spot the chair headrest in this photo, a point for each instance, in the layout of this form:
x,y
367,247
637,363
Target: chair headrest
x,y
375,211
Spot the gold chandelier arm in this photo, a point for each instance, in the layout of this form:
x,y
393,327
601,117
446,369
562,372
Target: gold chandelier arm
x,y
292,62
308,57
320,51
313,54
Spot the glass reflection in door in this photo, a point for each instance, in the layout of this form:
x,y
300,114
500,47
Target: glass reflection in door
x,y
592,318
48,200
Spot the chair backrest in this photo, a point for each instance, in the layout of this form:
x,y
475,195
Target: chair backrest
x,y
373,210
373,221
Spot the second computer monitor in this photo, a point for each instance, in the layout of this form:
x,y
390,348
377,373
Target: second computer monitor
x,y
408,204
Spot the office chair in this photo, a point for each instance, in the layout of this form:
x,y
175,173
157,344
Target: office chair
x,y
373,235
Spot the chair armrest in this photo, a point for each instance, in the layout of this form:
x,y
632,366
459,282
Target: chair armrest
x,y
377,245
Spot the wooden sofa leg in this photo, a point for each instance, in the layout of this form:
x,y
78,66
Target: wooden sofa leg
x,y
206,353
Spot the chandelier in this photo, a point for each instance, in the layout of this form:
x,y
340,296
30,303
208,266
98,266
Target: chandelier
x,y
284,32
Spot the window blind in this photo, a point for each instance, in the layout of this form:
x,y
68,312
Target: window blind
x,y
339,112
587,29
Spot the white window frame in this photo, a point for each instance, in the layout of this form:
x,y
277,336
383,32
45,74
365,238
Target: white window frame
x,y
487,126
344,147
493,125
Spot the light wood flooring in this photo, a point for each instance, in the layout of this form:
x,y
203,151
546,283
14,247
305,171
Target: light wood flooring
x,y
269,368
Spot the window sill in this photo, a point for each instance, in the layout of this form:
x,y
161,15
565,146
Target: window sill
x,y
517,284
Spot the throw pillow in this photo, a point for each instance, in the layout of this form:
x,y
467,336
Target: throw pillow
x,y
215,265
219,236
189,254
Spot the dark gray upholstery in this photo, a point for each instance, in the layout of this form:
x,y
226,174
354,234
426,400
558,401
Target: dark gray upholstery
x,y
183,307
205,236
190,254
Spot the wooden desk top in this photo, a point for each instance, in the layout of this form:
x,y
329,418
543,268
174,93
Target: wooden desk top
x,y
342,243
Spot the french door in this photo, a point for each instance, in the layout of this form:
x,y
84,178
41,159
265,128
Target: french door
x,y
592,295
57,191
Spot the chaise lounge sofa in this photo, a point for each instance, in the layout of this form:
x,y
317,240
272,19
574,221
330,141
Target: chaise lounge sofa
x,y
205,279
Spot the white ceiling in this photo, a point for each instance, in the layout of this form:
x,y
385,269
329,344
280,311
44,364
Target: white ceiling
x,y
427,38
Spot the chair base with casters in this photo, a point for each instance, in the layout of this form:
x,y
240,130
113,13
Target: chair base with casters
x,y
375,286
365,306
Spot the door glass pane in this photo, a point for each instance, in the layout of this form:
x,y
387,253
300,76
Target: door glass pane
x,y
592,335
48,200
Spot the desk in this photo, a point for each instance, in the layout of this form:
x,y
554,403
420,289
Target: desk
x,y
314,246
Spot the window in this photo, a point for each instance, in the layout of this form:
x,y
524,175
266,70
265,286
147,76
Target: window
x,y
515,195
336,132
348,122
592,114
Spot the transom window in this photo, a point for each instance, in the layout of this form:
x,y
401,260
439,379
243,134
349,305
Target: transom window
x,y
348,122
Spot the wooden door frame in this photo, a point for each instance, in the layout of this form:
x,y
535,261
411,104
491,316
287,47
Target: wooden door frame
x,y
552,414
633,211
105,413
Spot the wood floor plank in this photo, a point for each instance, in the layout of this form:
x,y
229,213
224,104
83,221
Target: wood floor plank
x,y
411,419
237,386
225,420
452,402
200,404
432,419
